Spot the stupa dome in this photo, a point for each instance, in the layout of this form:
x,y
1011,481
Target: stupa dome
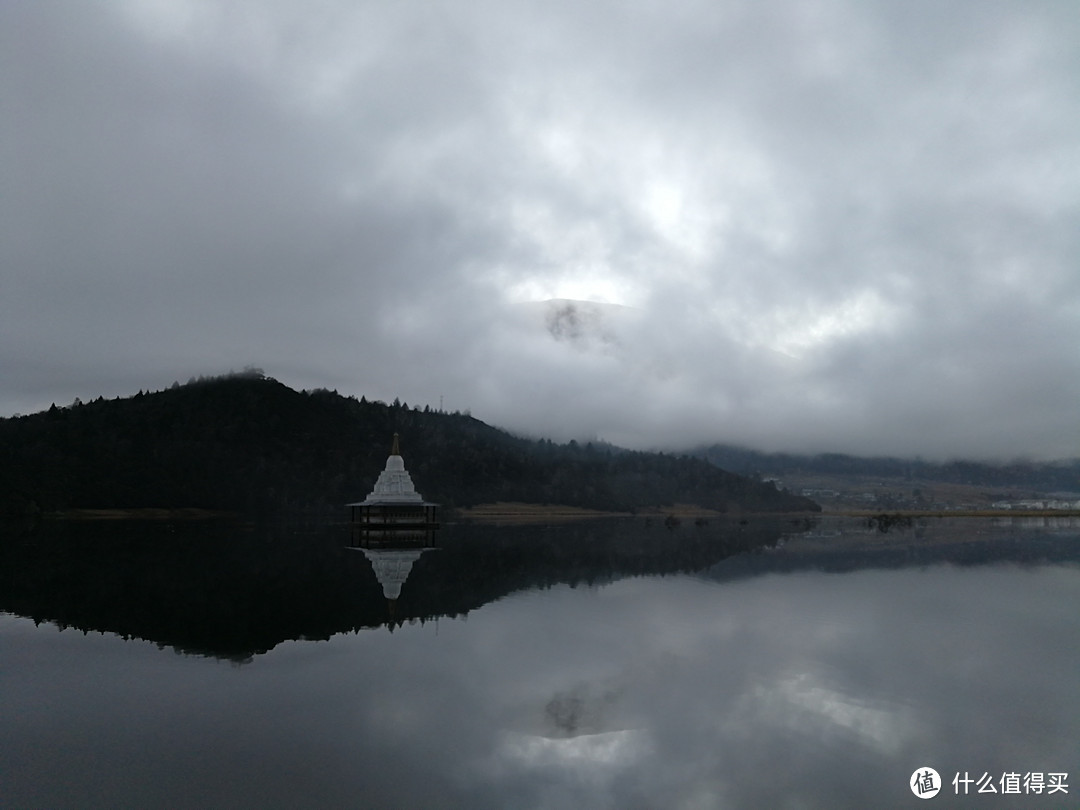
x,y
394,484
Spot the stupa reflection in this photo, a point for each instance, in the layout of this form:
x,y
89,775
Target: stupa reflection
x,y
392,567
392,554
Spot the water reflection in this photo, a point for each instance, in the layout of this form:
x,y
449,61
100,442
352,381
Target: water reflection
x,y
756,679
237,591
392,567
392,554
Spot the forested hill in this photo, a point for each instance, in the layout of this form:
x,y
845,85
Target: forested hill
x,y
249,443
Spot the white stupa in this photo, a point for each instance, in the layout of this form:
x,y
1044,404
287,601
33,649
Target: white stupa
x,y
394,502
394,484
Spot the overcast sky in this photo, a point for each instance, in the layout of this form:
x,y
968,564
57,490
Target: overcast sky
x,y
827,226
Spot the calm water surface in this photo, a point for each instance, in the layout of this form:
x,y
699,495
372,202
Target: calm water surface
x,y
604,666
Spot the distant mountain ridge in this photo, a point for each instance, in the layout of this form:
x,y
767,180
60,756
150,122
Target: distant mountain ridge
x,y
1054,476
248,443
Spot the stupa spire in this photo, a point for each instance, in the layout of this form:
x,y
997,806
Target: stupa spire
x,y
395,450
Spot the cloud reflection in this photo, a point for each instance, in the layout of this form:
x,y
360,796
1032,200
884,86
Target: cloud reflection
x,y
810,689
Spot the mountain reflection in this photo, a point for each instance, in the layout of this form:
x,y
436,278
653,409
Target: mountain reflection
x,y
234,591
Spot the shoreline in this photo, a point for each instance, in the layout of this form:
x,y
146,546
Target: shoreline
x,y
508,513
141,513
524,513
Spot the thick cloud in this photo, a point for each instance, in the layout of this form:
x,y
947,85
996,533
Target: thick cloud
x,y
837,225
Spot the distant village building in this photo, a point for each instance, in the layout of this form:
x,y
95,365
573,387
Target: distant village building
x,y
394,503
1058,504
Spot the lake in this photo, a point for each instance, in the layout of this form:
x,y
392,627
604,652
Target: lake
x,y
600,664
